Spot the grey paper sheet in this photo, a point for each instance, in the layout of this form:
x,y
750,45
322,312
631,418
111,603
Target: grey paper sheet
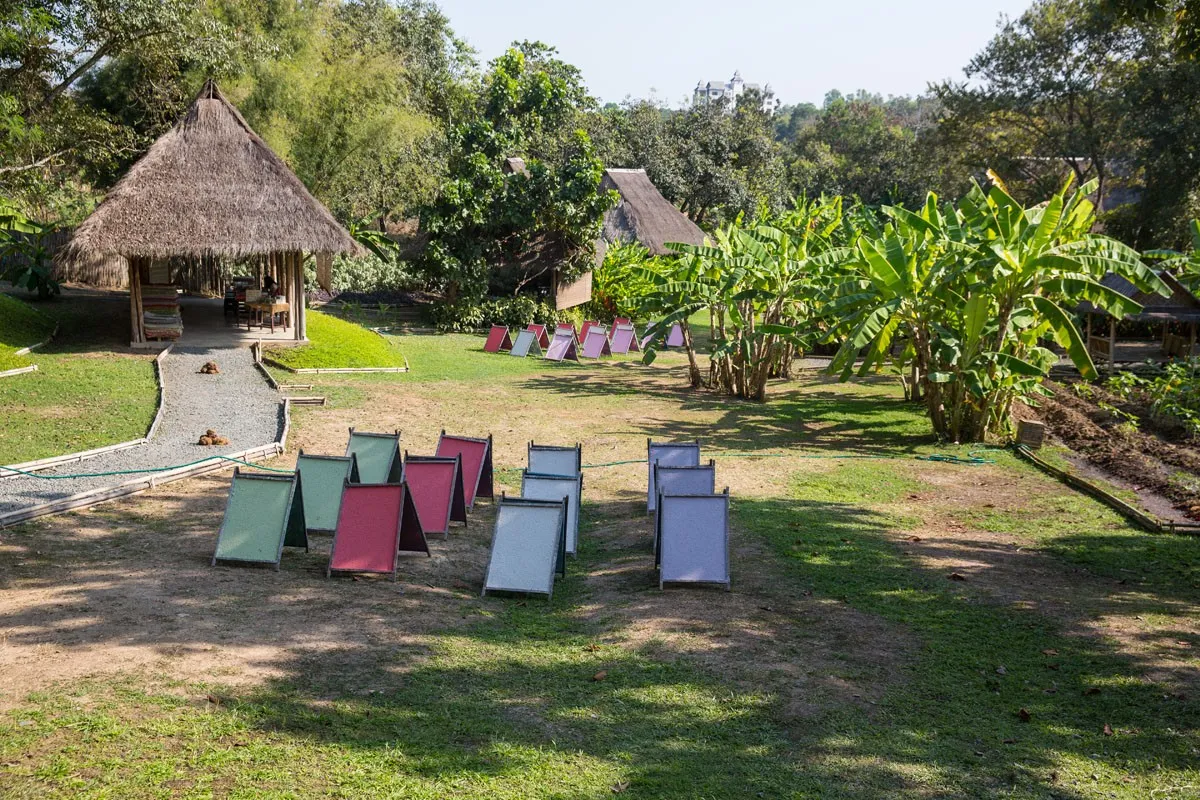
x,y
545,460
524,341
525,547
694,534
556,487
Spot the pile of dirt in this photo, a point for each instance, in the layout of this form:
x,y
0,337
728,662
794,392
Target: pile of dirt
x,y
212,438
1141,457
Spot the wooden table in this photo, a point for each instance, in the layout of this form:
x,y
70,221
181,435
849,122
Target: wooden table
x,y
270,308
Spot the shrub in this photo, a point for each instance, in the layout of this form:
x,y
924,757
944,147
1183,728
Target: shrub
x,y
514,312
366,274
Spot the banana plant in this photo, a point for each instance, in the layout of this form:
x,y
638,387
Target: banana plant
x,y
1184,266
760,283
23,246
976,289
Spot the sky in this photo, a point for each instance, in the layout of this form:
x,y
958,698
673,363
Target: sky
x,y
803,48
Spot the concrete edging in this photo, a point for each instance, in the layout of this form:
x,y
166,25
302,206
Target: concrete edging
x,y
24,351
83,455
138,485
19,371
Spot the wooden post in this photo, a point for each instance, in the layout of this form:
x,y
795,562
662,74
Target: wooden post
x,y
136,309
299,323
1112,344
1191,339
134,322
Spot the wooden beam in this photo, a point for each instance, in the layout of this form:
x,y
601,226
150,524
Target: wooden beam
x,y
1112,343
299,319
136,316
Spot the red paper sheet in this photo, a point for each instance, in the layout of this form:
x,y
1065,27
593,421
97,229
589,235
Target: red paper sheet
x,y
368,528
432,487
472,452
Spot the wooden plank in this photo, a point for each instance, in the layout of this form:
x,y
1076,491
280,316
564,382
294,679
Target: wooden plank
x,y
24,351
18,371
1146,521
162,391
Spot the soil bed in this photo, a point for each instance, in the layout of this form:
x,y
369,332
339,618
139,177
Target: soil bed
x,y
1157,459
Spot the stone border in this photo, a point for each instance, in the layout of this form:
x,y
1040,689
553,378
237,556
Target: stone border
x,y
18,371
83,455
24,351
153,480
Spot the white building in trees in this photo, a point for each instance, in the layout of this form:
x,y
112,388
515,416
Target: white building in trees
x,y
731,90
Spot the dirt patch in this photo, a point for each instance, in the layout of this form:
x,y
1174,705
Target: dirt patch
x,y
127,587
1135,457
767,635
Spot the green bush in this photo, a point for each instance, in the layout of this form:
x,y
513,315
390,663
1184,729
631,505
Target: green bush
x,y
366,274
514,312
617,287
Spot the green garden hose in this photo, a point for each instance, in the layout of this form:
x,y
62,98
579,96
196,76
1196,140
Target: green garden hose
x,y
137,471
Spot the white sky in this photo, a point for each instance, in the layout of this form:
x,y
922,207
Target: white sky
x,y
802,48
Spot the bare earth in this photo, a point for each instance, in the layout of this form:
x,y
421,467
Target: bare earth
x,y
127,587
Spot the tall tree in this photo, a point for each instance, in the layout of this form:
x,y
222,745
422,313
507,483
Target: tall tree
x,y
546,215
1045,96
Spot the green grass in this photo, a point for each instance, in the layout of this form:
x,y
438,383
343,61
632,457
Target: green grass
x,y
337,344
75,403
504,707
955,726
434,357
21,326
83,395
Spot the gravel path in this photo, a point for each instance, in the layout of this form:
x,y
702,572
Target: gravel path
x,y
237,403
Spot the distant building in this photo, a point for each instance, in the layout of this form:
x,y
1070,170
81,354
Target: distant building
x,y
731,90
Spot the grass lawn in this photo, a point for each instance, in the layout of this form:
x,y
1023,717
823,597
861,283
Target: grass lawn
x,y
86,392
21,326
337,344
897,628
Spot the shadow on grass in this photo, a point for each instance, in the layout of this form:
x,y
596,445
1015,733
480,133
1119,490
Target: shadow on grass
x,y
506,705
982,663
813,411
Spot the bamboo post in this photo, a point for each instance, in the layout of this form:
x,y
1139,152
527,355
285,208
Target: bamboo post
x,y
301,314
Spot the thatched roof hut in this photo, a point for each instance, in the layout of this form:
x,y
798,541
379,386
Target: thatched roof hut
x,y
211,189
644,215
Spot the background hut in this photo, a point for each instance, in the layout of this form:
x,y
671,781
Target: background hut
x,y
1182,308
643,215
210,190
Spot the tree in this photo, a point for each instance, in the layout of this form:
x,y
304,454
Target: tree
x,y
1182,15
53,142
1044,96
546,216
760,285
855,148
970,292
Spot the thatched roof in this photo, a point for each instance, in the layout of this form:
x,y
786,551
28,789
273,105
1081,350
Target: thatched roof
x,y
1181,306
209,187
644,215
514,165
